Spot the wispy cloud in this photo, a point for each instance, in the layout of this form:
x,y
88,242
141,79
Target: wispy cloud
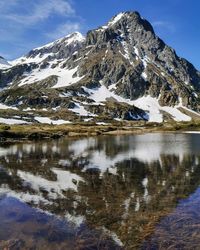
x,y
6,5
64,29
38,11
33,22
164,25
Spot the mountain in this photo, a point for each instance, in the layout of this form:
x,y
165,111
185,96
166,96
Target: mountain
x,y
120,71
3,63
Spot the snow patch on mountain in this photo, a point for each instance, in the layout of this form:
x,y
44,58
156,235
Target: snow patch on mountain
x,y
12,121
154,109
116,19
3,106
37,59
47,120
112,22
80,110
65,76
147,103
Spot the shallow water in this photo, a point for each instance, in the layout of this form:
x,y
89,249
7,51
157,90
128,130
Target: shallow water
x,y
109,192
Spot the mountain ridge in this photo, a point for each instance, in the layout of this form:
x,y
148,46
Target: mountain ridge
x,y
121,70
3,63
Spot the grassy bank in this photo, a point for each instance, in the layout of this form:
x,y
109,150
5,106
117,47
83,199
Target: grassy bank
x,y
42,131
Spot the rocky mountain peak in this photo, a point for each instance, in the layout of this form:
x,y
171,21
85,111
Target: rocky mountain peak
x,y
129,19
129,27
140,63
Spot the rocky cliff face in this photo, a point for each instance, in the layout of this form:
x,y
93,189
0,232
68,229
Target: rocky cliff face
x,y
139,63
121,70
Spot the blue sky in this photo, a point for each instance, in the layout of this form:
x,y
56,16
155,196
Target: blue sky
x,y
26,24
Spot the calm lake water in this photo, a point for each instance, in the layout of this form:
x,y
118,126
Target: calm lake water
x,y
109,192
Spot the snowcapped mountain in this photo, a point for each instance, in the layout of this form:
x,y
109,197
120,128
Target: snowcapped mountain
x,y
57,50
121,70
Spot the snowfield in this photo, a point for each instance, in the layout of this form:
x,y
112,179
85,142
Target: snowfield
x,y
65,76
147,103
47,120
12,121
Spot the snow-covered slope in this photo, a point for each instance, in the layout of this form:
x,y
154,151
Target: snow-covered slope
x,y
149,104
49,60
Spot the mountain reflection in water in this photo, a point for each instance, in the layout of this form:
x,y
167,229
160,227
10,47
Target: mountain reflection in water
x,y
109,192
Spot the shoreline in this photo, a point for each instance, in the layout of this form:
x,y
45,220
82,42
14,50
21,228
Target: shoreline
x,y
20,133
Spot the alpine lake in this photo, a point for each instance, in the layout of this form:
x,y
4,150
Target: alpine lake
x,y
107,192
